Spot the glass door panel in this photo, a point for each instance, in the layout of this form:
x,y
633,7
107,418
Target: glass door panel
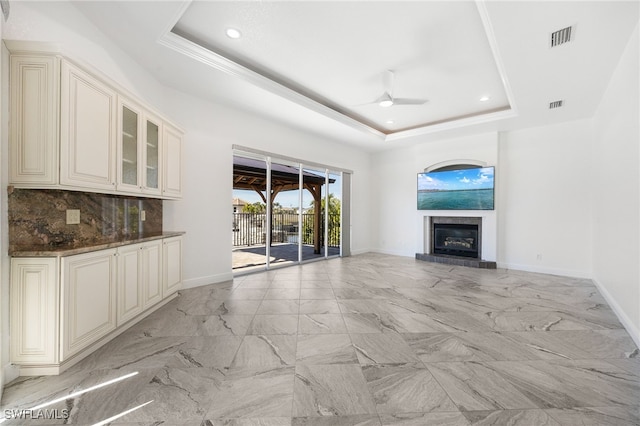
x,y
249,213
314,183
333,212
129,147
285,212
152,150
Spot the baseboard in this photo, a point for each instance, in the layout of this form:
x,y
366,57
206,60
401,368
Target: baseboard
x,y
631,328
545,270
361,251
393,253
210,279
10,372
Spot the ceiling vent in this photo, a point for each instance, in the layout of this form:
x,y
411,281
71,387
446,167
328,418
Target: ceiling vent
x,y
561,36
556,104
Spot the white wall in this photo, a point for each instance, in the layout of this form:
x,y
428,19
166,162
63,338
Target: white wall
x,y
616,191
398,224
545,186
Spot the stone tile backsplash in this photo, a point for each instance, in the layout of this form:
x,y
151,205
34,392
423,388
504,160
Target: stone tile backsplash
x,y
37,217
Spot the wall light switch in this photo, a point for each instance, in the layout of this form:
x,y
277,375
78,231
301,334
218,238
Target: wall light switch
x,y
143,215
73,217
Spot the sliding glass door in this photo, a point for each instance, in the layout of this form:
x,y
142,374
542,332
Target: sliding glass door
x,y
249,229
284,212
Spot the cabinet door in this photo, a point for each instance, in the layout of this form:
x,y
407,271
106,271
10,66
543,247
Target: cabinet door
x,y
151,273
88,299
34,310
129,146
33,130
129,294
87,131
172,182
152,154
172,261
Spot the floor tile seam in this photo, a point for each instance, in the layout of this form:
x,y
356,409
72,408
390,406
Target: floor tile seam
x,y
444,389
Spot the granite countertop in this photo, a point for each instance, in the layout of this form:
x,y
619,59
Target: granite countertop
x,y
71,249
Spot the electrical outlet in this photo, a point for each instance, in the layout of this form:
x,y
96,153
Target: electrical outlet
x,y
143,215
73,217
539,257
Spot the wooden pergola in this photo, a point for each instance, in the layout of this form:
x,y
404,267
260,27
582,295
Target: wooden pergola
x,y
251,174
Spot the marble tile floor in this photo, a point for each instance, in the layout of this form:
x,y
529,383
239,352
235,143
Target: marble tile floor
x,y
366,340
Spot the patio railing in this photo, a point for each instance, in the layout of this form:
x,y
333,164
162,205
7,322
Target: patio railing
x,y
250,229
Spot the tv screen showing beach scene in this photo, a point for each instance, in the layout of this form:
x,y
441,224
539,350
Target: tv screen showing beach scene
x,y
461,189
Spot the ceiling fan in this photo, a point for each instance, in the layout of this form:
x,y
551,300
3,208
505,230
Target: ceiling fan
x,y
387,99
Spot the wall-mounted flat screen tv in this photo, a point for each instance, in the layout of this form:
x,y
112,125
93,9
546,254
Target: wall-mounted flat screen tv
x,y
460,189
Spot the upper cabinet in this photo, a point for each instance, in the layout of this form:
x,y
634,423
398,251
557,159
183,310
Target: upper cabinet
x,y
152,155
73,130
139,150
172,179
88,120
34,93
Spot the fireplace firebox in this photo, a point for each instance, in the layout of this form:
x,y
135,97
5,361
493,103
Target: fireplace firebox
x,y
456,239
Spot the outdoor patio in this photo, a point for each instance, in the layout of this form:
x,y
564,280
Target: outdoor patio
x,y
254,256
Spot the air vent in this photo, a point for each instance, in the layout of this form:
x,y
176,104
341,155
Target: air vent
x,y
556,104
561,36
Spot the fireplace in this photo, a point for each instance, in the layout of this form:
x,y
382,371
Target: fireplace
x,y
456,239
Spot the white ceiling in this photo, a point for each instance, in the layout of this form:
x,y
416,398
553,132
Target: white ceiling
x,y
313,65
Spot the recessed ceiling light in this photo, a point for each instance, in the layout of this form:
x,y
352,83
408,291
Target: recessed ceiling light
x,y
484,98
233,33
390,121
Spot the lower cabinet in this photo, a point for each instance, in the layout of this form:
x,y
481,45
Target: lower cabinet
x,y
64,307
34,293
88,302
129,261
172,259
151,279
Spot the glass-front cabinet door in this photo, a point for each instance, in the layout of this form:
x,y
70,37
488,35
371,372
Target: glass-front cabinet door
x,y
129,138
151,149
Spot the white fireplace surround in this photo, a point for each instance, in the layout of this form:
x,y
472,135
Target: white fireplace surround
x,y
488,249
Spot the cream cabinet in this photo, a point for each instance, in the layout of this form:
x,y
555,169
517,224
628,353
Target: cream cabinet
x,y
87,131
129,146
33,122
34,312
152,264
152,155
139,279
63,308
172,261
139,150
70,129
88,302
129,282
172,182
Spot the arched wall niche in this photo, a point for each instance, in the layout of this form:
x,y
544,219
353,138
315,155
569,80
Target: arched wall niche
x,y
455,165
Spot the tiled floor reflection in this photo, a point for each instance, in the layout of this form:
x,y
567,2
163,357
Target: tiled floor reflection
x,y
367,340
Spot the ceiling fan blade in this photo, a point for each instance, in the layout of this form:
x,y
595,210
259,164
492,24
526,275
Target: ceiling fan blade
x,y
384,96
409,101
